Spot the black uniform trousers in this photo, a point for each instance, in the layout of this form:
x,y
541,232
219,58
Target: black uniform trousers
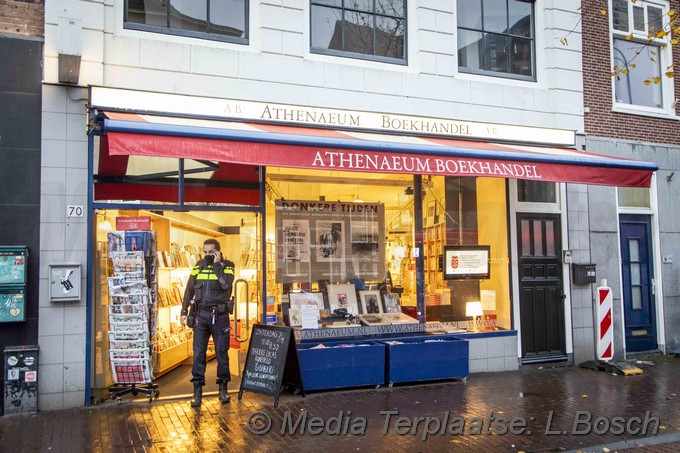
x,y
219,330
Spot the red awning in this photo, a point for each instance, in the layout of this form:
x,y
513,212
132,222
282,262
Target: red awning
x,y
251,144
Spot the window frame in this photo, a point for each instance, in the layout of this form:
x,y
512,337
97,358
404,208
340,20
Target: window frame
x,y
129,25
504,75
663,51
355,55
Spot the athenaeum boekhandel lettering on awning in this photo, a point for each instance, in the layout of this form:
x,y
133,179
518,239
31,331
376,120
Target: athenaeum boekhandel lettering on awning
x,y
338,160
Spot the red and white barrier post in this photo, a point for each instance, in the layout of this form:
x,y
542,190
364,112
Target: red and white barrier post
x,y
605,324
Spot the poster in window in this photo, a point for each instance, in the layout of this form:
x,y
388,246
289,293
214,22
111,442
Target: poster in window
x,y
365,239
329,241
296,240
330,236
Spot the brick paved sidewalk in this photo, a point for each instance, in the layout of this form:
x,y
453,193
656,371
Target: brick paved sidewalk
x,y
546,398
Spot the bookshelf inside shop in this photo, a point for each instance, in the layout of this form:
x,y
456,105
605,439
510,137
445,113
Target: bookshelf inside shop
x,y
434,240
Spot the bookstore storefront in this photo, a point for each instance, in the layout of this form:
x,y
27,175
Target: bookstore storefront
x,y
364,226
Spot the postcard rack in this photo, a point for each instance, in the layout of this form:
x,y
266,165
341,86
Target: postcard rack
x,y
133,299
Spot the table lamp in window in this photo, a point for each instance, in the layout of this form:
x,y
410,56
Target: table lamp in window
x,y
474,309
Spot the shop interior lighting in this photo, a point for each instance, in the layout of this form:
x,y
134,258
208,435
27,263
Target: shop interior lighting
x,y
474,309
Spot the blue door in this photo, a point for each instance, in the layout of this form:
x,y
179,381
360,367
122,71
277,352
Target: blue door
x,y
638,283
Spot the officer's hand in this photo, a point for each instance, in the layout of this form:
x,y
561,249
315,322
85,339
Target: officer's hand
x,y
183,320
218,256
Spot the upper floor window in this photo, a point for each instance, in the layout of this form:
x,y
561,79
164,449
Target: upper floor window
x,y
640,52
223,20
366,29
496,37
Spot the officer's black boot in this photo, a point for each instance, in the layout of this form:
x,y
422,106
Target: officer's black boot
x,y
224,394
198,394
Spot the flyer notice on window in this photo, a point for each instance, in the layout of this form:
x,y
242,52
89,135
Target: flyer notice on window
x,y
322,240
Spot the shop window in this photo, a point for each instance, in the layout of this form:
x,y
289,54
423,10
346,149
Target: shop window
x,y
156,180
223,20
640,54
496,37
536,191
367,29
343,242
634,197
466,212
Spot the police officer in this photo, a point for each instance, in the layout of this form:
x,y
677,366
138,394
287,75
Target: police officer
x,y
210,285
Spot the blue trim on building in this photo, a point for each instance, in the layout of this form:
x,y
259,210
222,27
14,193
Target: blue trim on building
x,y
88,286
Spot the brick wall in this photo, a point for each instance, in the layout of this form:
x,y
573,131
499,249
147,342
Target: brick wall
x,y
601,121
25,18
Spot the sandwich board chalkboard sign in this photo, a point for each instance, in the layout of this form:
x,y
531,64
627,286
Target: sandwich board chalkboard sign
x,y
271,362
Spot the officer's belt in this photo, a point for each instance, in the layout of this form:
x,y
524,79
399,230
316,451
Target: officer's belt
x,y
208,306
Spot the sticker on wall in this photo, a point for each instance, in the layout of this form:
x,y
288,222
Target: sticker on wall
x,y
13,263
31,376
12,360
13,374
12,303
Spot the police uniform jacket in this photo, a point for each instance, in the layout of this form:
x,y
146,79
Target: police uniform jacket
x,y
209,285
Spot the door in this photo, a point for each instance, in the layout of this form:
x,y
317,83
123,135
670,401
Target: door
x,y
540,287
638,283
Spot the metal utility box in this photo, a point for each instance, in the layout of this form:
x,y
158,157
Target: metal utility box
x,y
21,379
65,282
583,274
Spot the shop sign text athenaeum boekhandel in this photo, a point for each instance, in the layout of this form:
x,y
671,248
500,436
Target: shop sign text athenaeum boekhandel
x,y
162,103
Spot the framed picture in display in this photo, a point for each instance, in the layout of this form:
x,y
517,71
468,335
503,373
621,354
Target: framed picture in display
x,y
297,300
392,303
370,302
295,316
343,296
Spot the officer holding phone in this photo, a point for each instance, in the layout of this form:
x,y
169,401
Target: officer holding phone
x,y
209,285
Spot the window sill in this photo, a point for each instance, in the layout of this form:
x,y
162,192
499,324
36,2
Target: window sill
x,y
495,76
618,108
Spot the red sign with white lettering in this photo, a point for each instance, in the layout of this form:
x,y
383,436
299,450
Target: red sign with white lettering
x,y
463,160
133,223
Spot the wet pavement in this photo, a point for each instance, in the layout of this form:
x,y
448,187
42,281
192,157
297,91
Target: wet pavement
x,y
539,409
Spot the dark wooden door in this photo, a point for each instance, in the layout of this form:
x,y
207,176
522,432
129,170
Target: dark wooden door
x,y
540,287
637,277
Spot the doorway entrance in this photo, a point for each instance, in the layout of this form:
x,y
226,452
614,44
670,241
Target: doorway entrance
x,y
540,288
638,283
176,246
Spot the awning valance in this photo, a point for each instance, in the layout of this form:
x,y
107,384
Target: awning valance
x,y
131,134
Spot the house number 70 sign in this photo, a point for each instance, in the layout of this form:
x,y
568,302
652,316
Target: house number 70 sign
x,y
74,211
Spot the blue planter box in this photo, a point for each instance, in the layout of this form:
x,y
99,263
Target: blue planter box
x,y
336,367
426,359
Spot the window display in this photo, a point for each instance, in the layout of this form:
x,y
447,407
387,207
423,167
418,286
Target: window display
x,y
359,250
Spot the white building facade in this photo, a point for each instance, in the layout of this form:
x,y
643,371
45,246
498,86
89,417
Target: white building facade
x,y
283,52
